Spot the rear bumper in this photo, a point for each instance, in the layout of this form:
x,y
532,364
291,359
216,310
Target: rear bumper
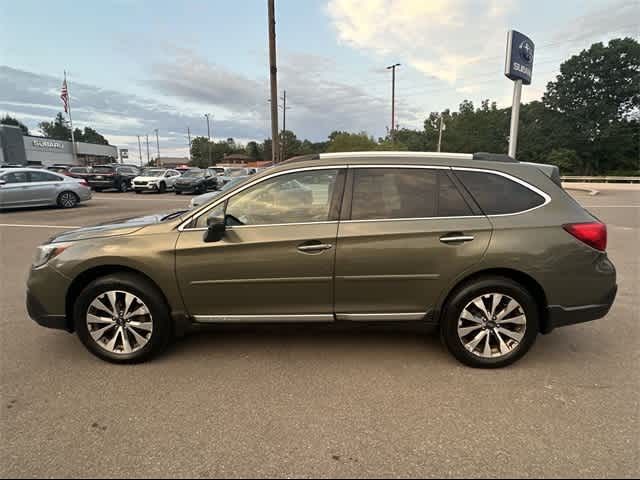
x,y
560,316
101,183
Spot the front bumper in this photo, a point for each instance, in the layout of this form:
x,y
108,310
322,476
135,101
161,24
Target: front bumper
x,y
560,316
149,187
46,296
187,188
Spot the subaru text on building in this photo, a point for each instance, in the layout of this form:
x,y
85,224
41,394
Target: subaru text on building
x,y
492,251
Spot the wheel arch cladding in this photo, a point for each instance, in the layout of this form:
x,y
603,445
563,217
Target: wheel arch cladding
x,y
518,276
91,274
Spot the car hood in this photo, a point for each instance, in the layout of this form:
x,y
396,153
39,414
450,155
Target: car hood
x,y
146,179
190,180
204,198
124,226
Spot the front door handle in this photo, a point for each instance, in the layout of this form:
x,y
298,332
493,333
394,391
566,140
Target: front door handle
x,y
457,238
314,247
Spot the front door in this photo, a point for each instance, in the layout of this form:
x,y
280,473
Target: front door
x,y
276,259
16,190
407,234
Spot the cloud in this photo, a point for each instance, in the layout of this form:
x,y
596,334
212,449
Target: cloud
x,y
431,36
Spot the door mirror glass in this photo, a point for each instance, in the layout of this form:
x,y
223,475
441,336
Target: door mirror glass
x,y
215,229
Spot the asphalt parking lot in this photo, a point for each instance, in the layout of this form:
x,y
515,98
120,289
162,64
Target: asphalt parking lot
x,y
316,401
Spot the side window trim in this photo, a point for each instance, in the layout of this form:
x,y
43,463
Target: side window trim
x,y
193,220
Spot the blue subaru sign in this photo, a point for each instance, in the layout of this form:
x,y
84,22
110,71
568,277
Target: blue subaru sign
x,y
520,53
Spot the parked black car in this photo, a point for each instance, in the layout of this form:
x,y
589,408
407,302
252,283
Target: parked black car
x,y
196,181
103,177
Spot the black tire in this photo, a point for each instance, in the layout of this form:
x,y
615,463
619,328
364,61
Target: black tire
x,y
123,187
138,191
162,188
178,192
67,200
145,291
97,190
469,291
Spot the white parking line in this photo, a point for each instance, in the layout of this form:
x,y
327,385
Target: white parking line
x,y
37,226
611,206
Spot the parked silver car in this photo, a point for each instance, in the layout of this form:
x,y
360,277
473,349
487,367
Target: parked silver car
x,y
30,187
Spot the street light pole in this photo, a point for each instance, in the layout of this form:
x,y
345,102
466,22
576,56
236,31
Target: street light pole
x,y
393,98
207,115
148,157
273,73
139,150
284,125
189,136
158,146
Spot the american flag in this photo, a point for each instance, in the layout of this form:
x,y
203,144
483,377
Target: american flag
x,y
64,95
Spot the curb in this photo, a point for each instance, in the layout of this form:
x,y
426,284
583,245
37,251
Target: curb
x,y
590,191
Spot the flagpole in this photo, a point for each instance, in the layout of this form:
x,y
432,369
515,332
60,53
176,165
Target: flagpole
x,y
73,137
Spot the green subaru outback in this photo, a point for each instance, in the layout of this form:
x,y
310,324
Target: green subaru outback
x,y
491,250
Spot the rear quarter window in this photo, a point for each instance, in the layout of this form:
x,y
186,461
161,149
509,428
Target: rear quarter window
x,y
498,195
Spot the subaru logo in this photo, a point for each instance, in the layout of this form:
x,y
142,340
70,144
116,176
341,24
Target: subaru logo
x,y
526,51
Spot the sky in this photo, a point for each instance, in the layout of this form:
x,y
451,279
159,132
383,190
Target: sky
x,y
135,66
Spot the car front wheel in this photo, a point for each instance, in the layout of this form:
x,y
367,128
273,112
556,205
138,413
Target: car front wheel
x,y
122,318
490,322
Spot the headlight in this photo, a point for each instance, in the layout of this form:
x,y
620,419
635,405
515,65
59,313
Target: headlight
x,y
46,253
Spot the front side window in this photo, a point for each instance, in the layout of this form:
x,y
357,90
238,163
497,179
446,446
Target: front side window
x,y
398,193
291,198
498,195
16,177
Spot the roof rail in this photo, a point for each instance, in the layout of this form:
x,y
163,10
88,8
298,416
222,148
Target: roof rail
x,y
301,158
494,157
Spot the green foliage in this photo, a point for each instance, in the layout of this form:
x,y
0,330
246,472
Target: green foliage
x,y
8,120
60,130
351,142
564,158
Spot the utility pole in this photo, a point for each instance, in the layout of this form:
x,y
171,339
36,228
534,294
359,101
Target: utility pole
x,y
139,151
207,115
273,69
189,136
393,98
284,126
442,127
158,163
148,157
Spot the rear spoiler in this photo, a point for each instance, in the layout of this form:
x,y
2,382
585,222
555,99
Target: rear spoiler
x,y
551,171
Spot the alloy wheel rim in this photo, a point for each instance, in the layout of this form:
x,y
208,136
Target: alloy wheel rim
x,y
492,326
68,200
119,322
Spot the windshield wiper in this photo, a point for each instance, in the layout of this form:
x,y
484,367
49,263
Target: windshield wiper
x,y
173,215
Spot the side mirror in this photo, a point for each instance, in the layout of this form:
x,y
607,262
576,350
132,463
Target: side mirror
x,y
215,229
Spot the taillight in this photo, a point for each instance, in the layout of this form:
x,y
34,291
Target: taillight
x,y
84,183
593,234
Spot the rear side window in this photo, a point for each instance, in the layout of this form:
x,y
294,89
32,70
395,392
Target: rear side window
x,y
498,195
390,193
44,177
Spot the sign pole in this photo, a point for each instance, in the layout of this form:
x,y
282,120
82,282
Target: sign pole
x,y
515,118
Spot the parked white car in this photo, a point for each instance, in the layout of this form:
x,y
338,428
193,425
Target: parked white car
x,y
155,180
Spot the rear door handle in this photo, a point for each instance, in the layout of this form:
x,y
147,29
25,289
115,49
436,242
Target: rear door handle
x,y
309,247
457,238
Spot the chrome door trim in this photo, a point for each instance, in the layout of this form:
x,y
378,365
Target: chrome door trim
x,y
418,276
381,317
262,280
322,317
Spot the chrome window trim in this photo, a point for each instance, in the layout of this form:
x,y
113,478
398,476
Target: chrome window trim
x,y
544,195
322,317
183,226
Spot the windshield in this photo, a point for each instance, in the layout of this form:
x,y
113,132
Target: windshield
x,y
153,173
233,183
102,169
193,174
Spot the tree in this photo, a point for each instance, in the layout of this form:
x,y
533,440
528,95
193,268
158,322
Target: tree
x,y
564,158
350,142
58,129
89,135
253,150
8,120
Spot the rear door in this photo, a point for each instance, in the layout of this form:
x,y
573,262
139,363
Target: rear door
x,y
406,233
44,187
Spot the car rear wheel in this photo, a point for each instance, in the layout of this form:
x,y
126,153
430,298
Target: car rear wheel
x,y
122,318
123,187
68,200
490,322
162,188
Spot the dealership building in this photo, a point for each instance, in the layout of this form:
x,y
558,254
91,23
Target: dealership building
x,y
19,149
